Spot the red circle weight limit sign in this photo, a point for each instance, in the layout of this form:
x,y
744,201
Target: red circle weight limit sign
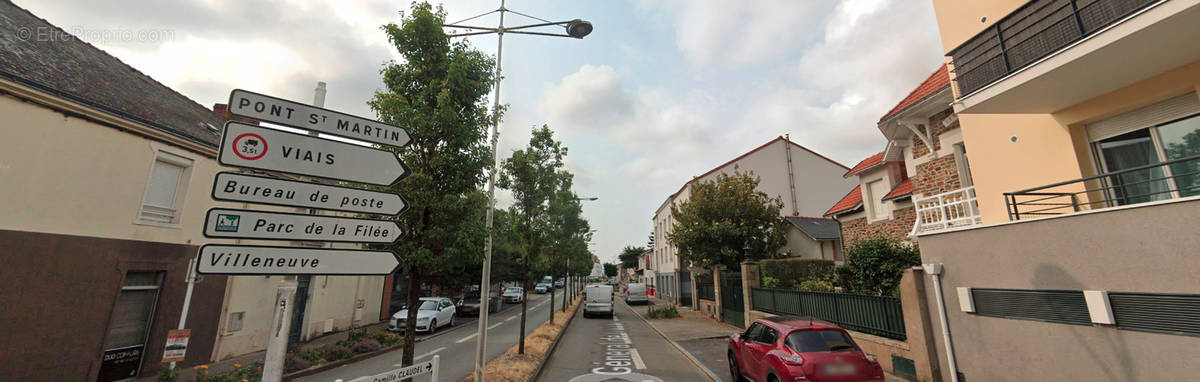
x,y
250,146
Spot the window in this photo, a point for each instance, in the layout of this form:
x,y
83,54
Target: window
x,y
235,321
1165,131
165,189
754,331
768,336
875,191
806,341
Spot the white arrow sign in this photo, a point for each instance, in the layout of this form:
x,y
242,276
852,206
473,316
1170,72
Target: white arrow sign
x,y
403,373
264,260
263,225
260,148
236,187
266,108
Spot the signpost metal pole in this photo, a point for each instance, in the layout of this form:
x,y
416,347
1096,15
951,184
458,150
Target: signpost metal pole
x,y
187,298
278,337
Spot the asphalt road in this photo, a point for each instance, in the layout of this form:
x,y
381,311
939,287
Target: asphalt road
x,y
454,346
623,348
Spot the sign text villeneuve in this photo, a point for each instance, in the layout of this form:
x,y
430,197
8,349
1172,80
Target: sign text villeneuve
x,y
266,108
247,224
261,148
236,187
267,260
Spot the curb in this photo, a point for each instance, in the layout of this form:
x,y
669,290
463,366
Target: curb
x,y
342,362
542,365
711,375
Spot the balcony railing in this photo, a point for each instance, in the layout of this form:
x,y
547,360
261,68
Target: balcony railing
x,y
947,210
1033,31
1153,182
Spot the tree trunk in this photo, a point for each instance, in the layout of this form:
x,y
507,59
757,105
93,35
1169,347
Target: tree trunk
x,y
552,299
524,304
410,325
566,287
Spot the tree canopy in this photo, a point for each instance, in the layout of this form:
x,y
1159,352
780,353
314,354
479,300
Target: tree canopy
x,y
874,266
725,218
629,256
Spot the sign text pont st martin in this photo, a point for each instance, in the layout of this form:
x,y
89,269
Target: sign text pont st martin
x,y
266,108
260,148
263,225
236,187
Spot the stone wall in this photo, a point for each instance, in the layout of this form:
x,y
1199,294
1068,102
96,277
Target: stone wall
x,y
896,228
936,176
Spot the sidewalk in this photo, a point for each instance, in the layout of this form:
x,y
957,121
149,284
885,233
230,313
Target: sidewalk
x,y
703,337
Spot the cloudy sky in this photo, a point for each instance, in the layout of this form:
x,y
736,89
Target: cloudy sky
x,y
660,92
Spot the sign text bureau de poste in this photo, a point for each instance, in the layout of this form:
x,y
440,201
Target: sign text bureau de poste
x,y
235,187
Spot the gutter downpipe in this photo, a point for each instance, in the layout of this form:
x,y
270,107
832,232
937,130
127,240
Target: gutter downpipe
x,y
935,270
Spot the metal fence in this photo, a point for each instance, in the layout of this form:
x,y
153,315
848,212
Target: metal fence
x,y
707,291
1033,31
876,315
1153,182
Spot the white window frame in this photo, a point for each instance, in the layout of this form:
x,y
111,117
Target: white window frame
x,y
963,164
173,158
875,212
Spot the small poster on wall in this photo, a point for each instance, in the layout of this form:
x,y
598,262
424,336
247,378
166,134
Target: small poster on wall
x,y
176,348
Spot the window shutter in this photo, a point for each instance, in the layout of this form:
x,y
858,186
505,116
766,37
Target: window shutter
x,y
1164,111
1160,313
1064,307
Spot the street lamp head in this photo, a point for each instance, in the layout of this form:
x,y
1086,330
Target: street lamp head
x,y
578,28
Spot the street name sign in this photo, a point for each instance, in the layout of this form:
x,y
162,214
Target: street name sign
x,y
427,367
266,108
260,148
234,187
219,259
264,225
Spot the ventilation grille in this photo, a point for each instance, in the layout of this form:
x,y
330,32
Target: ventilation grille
x,y
1064,307
1161,313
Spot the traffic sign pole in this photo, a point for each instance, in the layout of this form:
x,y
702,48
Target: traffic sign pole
x,y
280,328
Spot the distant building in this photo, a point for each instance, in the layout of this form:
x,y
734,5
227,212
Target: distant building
x,y
805,181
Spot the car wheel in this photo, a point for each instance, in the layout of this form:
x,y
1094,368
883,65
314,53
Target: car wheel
x,y
433,326
734,370
772,378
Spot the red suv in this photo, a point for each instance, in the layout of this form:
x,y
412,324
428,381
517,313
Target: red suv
x,y
787,349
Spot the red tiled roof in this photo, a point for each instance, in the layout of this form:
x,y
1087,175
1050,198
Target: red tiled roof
x,y
936,81
850,201
901,190
870,162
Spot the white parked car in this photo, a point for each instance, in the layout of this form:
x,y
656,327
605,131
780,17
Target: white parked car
x,y
598,300
513,295
432,313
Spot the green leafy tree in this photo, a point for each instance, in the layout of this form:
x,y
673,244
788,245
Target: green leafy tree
x,y
610,270
723,219
874,266
532,174
629,255
568,230
439,93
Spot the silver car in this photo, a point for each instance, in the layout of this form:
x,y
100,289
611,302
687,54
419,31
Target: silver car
x,y
432,313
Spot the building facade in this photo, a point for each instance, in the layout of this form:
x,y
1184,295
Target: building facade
x,y
1084,130
805,181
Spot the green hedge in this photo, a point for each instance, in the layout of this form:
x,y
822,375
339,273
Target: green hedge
x,y
792,272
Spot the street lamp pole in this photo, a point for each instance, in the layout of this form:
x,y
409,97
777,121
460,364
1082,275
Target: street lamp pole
x,y
574,28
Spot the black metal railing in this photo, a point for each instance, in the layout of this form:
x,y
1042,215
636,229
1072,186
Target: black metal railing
x,y
1153,182
1033,31
707,291
878,315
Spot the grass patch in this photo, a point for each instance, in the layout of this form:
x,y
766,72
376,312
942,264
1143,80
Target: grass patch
x,y
513,367
666,312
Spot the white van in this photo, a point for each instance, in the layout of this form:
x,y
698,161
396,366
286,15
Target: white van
x,y
598,300
636,293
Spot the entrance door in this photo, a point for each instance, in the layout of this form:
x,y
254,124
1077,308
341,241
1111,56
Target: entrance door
x,y
685,288
299,303
131,319
732,299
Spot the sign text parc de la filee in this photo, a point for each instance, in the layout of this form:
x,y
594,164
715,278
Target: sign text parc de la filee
x,y
266,149
266,108
264,225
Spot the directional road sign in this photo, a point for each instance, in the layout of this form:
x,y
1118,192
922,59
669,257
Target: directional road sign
x,y
236,187
264,225
216,259
266,108
261,148
427,367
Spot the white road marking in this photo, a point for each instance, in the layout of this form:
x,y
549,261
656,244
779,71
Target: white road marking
x,y
467,338
637,359
494,325
424,355
511,318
